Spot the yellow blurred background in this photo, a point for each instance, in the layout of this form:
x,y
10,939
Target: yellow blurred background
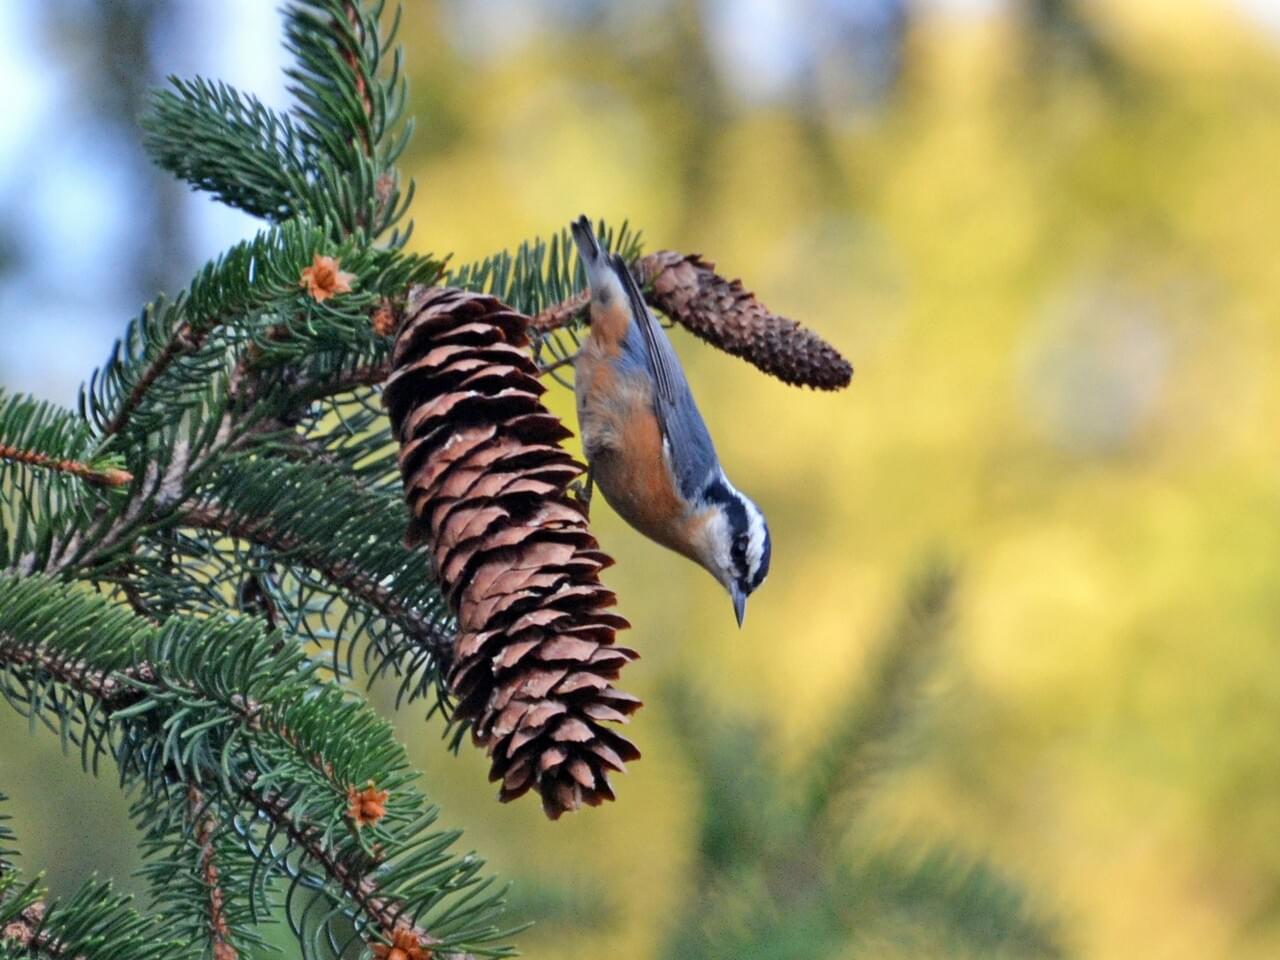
x,y
1059,287
1050,249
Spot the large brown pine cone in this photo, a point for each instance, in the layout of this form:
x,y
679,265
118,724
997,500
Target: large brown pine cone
x,y
487,485
727,315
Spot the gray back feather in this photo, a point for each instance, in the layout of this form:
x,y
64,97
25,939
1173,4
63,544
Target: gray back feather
x,y
693,455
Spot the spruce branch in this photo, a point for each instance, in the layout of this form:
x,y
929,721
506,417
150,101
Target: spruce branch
x,y
206,389
318,516
351,95
387,914
206,830
777,874
740,805
229,711
332,161
233,146
112,689
355,66
183,339
94,923
232,469
51,479
163,365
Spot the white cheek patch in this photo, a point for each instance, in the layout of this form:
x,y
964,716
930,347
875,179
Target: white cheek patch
x,y
610,293
720,542
736,537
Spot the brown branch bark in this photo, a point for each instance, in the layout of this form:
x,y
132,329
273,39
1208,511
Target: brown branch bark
x,y
368,375
205,830
362,85
111,688
360,888
558,315
183,340
105,477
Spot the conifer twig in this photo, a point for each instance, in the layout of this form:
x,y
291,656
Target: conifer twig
x,y
117,629
347,576
361,889
362,87
206,828
102,476
183,340
107,687
559,314
859,747
113,689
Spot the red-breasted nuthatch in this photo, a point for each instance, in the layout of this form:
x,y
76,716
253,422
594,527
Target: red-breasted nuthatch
x,y
646,444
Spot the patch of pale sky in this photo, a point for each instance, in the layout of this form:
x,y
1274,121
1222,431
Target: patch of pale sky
x,y
760,44
71,186
20,69
963,7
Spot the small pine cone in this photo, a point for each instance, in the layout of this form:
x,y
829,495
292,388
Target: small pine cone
x,y
725,314
487,485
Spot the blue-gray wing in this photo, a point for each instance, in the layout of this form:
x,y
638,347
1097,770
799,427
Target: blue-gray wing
x,y
693,455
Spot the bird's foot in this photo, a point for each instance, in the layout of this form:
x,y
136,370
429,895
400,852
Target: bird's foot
x,y
581,491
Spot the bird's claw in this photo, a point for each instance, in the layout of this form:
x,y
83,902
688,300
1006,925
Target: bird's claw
x,y
581,491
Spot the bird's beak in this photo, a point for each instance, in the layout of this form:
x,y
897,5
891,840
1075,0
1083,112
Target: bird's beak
x,y
739,603
585,238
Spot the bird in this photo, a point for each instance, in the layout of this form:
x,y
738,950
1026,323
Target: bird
x,y
646,445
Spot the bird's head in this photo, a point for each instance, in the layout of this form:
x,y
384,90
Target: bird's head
x,y
602,273
736,547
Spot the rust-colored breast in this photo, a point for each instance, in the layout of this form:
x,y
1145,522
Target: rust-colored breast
x,y
609,326
624,448
623,442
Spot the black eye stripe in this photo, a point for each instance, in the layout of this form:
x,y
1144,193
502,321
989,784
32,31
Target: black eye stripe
x,y
735,511
738,553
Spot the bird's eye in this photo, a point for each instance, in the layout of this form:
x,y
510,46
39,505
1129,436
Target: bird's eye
x,y
738,551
